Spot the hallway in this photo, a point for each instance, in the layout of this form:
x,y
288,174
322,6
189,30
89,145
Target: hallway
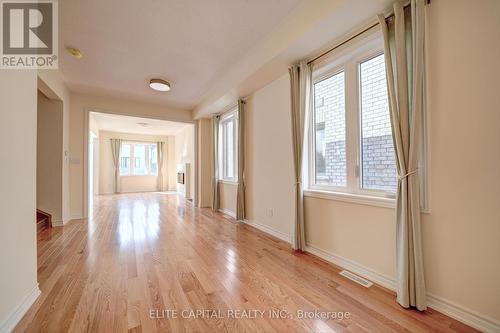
x,y
143,252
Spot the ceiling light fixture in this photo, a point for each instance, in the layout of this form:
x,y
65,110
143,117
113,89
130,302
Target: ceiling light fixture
x,y
159,85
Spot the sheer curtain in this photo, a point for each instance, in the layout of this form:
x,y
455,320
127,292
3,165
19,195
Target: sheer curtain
x,y
240,196
300,88
160,158
115,151
215,157
404,56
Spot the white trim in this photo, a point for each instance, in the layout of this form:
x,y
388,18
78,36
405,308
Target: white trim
x,y
363,271
15,317
227,212
58,223
352,198
228,182
269,230
469,317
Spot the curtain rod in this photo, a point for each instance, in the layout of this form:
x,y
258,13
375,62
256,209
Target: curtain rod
x,y
356,35
137,141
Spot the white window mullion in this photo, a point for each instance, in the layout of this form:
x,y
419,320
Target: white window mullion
x,y
132,160
351,126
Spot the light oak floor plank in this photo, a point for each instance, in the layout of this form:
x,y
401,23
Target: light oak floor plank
x,y
148,253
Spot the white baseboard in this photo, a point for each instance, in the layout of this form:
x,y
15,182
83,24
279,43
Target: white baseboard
x,y
58,223
367,273
227,212
273,232
15,317
449,308
469,317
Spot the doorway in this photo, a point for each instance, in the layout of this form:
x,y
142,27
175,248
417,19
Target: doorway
x,y
93,167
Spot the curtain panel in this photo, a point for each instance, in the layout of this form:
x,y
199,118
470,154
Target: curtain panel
x,y
160,146
115,151
300,89
240,196
215,161
404,57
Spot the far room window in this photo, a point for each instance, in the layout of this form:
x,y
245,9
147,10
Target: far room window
x,y
138,159
228,145
125,159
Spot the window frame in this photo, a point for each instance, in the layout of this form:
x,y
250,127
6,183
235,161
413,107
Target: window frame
x,y
147,158
349,60
359,167
230,116
312,149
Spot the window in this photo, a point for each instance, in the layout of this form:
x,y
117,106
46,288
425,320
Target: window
x,y
351,148
351,151
138,159
228,145
125,159
329,125
378,163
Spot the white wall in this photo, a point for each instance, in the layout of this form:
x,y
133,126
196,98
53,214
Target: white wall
x,y
205,161
18,124
50,83
461,234
129,183
49,173
227,197
82,103
269,168
184,153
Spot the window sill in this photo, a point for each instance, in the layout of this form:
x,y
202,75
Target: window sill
x,y
352,198
230,182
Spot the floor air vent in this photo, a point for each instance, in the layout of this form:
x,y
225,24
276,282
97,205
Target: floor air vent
x,y
356,278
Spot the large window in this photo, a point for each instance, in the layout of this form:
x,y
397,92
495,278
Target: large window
x,y
378,164
351,150
351,147
228,145
138,159
329,121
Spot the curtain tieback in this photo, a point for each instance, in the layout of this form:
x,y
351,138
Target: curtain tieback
x,y
408,174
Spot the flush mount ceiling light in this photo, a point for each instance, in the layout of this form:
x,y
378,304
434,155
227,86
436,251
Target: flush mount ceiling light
x,y
159,85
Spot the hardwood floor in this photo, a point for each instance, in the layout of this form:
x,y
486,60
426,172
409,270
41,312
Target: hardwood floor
x,y
144,252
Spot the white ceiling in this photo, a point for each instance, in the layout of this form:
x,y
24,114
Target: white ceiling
x,y
187,42
135,125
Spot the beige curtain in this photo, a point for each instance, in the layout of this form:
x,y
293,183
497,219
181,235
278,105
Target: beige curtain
x,y
215,157
300,85
160,158
404,58
240,196
115,151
